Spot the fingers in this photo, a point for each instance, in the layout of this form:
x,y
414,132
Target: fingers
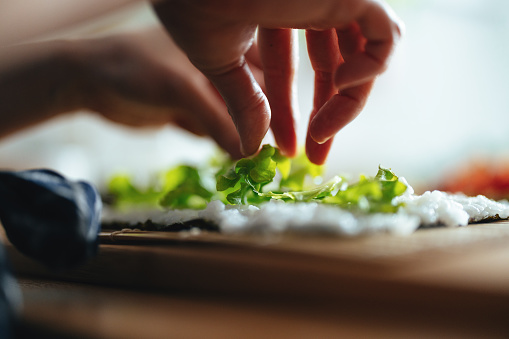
x,y
324,55
217,38
246,103
339,111
381,30
217,46
350,41
330,50
253,55
258,75
255,64
278,54
317,153
256,70
344,106
209,117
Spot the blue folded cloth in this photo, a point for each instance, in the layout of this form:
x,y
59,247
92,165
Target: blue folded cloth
x,y
48,218
10,297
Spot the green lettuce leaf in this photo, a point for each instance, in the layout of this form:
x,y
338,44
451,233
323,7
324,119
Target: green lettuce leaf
x,y
300,169
125,193
316,193
371,194
266,176
178,188
184,189
244,183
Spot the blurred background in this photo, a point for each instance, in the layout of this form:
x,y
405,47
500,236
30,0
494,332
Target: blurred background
x,y
442,104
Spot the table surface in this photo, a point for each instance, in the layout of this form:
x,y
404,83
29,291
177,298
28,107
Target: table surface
x,y
448,282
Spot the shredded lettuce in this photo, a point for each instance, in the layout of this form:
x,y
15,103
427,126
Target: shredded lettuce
x,y
371,194
244,182
184,189
126,194
300,169
266,176
316,193
180,187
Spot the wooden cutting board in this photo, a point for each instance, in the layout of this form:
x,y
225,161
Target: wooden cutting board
x,y
457,274
469,258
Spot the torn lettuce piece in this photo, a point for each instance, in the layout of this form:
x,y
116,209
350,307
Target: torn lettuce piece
x,y
243,183
371,194
316,193
299,169
125,193
180,187
266,176
183,189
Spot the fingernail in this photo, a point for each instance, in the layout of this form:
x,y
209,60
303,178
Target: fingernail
x,y
316,139
320,141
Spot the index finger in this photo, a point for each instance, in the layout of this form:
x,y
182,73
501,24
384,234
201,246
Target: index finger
x,y
278,57
324,55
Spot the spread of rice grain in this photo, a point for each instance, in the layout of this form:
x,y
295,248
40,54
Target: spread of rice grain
x,y
429,209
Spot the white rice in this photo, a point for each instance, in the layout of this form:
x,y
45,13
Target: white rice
x,y
430,208
441,208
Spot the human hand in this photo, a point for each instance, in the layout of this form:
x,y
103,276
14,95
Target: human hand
x,y
140,79
144,79
349,44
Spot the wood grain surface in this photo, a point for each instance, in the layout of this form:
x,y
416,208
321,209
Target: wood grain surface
x,y
448,281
